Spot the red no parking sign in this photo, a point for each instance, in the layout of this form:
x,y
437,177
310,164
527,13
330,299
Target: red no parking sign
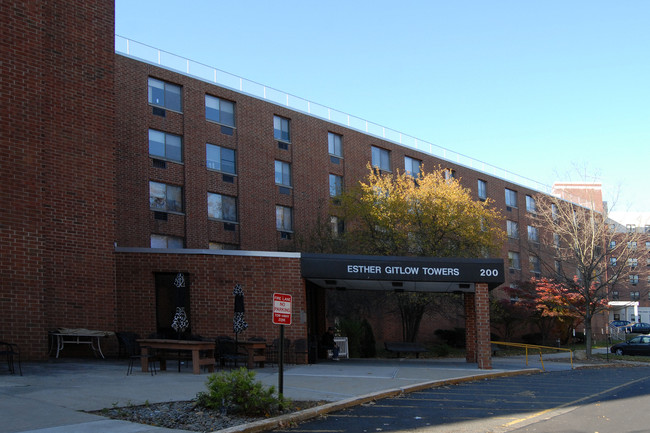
x,y
281,309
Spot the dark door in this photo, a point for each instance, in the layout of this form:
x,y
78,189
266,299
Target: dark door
x,y
172,291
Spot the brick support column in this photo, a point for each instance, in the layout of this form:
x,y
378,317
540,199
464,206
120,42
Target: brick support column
x,y
477,327
482,309
470,328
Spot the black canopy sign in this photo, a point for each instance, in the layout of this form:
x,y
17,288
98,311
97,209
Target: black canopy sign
x,y
417,269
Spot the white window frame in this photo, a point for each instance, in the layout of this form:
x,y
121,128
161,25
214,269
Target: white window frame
x,y
167,138
282,173
220,106
412,166
512,229
221,164
336,185
482,189
511,197
160,203
531,204
380,158
167,92
282,129
335,144
216,205
163,241
283,218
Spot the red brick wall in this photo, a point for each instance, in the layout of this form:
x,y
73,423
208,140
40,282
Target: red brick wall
x,y
212,280
56,138
256,152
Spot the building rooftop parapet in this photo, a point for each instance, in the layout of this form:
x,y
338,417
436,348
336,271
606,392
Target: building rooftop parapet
x,y
173,62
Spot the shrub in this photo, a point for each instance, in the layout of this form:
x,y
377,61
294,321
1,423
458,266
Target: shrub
x,y
238,392
440,350
452,337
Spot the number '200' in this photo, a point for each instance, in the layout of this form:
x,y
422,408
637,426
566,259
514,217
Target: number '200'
x,y
489,272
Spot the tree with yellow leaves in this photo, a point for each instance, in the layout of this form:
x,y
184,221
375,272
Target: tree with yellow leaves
x,y
428,215
397,214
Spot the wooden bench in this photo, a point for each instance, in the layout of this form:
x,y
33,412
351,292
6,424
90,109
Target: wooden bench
x,y
404,347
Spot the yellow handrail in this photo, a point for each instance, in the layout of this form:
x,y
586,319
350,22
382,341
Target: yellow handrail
x,y
535,346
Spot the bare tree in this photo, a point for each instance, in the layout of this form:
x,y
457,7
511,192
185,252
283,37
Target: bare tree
x,y
585,253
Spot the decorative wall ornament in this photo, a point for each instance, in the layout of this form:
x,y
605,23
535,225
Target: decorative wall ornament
x,y
180,322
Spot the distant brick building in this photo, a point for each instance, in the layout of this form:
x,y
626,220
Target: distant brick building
x,y
121,173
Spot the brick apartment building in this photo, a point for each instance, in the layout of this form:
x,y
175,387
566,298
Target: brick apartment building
x,y
122,173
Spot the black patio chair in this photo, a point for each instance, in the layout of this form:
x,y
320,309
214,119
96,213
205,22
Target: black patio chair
x,y
128,340
273,351
300,350
11,352
228,352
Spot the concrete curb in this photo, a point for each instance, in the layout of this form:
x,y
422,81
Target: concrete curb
x,y
303,415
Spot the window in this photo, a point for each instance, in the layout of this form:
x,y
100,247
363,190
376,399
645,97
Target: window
x,y
222,246
222,207
513,260
511,198
220,158
534,265
164,145
634,279
612,261
165,198
533,234
334,144
512,229
220,111
531,206
164,95
282,173
615,295
556,240
337,226
632,245
283,218
635,296
164,241
450,174
633,263
380,158
412,166
612,245
336,185
647,245
482,189
554,211
646,229
281,129
631,228
558,267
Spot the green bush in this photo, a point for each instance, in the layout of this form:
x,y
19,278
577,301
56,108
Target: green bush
x,y
452,337
238,392
440,350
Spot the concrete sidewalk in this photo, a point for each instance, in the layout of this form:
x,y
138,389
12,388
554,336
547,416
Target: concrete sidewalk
x,y
51,397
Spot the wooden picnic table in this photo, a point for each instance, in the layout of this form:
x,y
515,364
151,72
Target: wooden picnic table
x,y
195,346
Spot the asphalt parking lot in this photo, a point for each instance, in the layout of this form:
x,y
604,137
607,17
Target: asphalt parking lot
x,y
499,404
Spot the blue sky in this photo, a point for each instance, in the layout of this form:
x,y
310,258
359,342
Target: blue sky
x,y
553,90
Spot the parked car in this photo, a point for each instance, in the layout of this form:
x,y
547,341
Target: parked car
x,y
639,345
619,323
640,328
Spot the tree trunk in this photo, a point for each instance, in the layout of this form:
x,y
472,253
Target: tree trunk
x,y
588,341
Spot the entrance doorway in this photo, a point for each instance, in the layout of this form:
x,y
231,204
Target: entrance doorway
x,y
172,291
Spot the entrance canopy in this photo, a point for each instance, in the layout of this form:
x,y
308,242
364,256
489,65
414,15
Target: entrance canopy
x,y
409,274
